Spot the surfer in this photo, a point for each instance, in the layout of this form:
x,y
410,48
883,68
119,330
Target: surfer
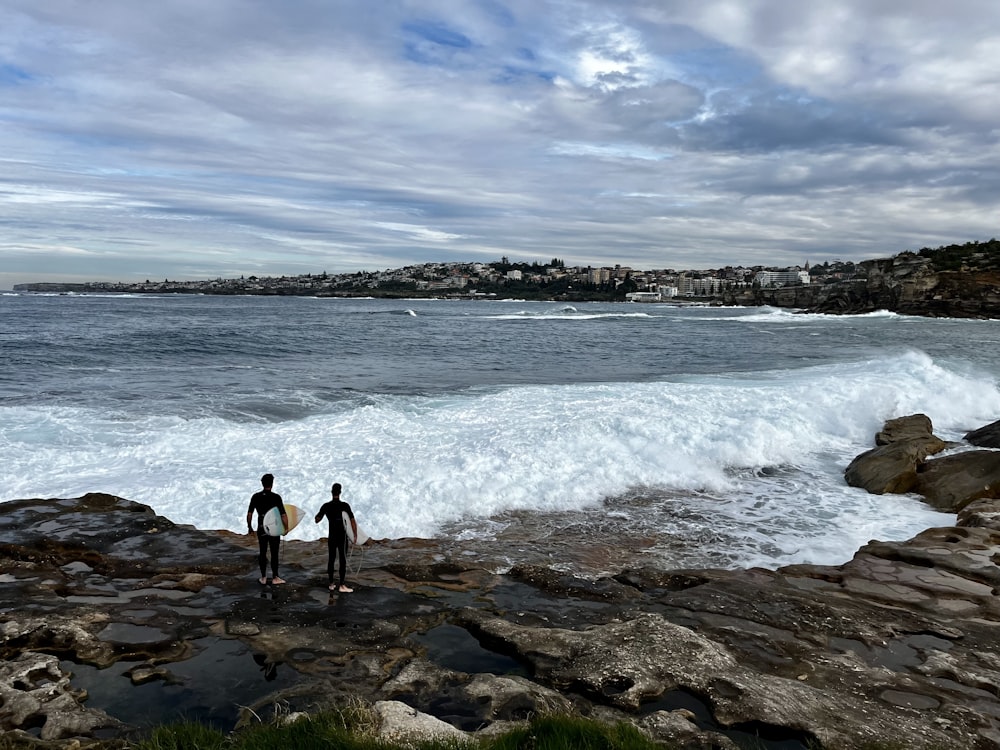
x,y
336,541
261,503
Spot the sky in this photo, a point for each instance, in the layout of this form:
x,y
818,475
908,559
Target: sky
x,y
189,140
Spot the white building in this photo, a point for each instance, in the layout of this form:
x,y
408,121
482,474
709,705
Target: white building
x,y
705,286
788,277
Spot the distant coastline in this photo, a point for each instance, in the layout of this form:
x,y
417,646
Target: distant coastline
x,y
953,281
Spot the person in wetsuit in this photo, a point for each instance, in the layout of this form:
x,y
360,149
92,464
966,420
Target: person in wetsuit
x,y
336,540
261,503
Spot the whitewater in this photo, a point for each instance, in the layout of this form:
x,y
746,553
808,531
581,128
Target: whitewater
x,y
690,436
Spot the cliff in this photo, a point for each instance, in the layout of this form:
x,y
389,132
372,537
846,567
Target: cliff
x,y
954,282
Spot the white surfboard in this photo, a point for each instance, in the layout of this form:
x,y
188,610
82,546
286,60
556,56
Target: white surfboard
x,y
272,520
361,538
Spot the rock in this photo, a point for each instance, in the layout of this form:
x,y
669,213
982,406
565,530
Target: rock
x,y
401,724
952,482
672,727
894,647
908,283
980,514
891,467
35,692
900,464
985,437
913,427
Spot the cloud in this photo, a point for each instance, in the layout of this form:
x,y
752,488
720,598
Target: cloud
x,y
243,136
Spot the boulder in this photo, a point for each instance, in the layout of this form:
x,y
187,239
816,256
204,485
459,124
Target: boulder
x,y
901,446
952,482
399,723
985,437
905,429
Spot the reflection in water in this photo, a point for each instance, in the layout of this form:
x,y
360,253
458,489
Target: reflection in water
x,y
209,687
269,668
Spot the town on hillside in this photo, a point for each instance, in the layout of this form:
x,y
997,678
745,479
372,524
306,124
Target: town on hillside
x,y
962,280
503,278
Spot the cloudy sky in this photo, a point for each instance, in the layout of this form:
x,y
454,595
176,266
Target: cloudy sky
x,y
193,139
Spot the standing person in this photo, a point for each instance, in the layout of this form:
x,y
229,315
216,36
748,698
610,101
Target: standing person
x,y
261,503
336,541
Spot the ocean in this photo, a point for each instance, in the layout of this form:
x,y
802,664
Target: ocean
x,y
590,437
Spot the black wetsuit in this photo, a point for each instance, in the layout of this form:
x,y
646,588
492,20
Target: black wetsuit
x,y
337,540
261,503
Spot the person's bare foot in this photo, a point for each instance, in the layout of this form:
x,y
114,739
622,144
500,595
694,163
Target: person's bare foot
x,y
277,581
262,581
345,590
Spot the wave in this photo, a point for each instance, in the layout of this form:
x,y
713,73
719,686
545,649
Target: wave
x,y
565,313
768,314
408,312
763,452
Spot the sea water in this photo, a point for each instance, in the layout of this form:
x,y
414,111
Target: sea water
x,y
689,435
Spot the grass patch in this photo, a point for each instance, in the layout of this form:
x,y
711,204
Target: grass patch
x,y
347,730
572,733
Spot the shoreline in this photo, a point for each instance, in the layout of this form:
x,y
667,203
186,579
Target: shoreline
x,y
896,645
116,584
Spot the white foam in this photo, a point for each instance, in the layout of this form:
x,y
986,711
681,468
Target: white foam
x,y
564,313
767,314
410,464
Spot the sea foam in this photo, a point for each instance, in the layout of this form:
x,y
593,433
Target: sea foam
x,y
742,449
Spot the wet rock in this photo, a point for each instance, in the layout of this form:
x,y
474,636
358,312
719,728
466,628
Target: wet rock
x,y
565,586
981,513
952,482
473,701
900,463
72,635
891,467
36,693
901,429
896,645
985,437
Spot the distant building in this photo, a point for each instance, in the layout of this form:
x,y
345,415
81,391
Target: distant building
x,y
599,275
698,286
788,277
643,297
668,292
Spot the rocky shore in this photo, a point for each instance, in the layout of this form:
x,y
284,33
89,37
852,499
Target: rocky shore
x,y
908,284
115,619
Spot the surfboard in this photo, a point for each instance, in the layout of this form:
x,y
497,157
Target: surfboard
x,y
362,536
272,520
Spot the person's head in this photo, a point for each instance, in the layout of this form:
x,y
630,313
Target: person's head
x,y
267,481
335,490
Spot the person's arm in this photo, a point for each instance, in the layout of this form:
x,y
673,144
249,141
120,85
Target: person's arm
x,y
322,511
250,518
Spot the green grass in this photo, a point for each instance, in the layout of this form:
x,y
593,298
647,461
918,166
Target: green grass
x,y
572,733
344,731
